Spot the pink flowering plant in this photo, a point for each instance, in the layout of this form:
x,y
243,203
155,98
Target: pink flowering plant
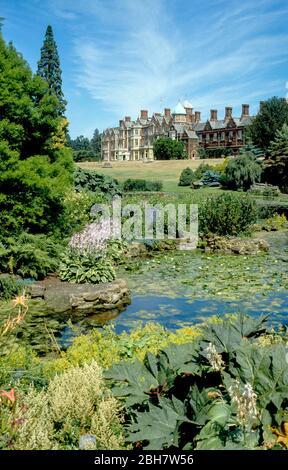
x,y
90,257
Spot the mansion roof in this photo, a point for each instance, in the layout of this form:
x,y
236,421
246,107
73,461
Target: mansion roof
x,y
182,119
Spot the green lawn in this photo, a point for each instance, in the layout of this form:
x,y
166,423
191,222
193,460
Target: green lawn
x,y
166,171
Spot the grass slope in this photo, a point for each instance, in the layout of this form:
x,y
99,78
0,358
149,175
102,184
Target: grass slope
x,y
167,171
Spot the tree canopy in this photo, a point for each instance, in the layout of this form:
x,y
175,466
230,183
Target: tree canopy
x,y
276,165
167,149
241,172
35,166
271,117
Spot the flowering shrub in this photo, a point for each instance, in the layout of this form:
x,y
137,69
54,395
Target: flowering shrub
x,y
87,259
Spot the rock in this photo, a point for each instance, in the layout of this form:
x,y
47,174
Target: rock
x,y
86,299
36,291
196,185
136,249
263,189
234,245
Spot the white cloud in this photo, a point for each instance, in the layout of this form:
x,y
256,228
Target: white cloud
x,y
133,54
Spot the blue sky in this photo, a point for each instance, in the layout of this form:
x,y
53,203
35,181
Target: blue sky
x,y
120,56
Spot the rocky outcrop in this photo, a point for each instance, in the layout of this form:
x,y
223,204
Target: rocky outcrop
x,y
85,299
235,245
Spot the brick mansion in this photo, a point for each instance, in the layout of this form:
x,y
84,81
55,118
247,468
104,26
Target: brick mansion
x,y
133,140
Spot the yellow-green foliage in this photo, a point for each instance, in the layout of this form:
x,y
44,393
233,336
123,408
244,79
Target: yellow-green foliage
x,y
19,357
220,167
276,222
107,348
76,402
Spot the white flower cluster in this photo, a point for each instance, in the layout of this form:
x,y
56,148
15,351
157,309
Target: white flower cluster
x,y
246,400
92,238
214,358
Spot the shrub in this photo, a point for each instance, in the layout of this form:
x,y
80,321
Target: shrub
x,y
202,168
276,166
211,178
241,172
187,177
227,214
165,148
86,267
77,210
274,223
75,403
214,153
8,287
142,185
30,255
90,180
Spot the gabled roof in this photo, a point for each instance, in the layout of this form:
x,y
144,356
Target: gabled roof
x,y
199,126
178,127
191,134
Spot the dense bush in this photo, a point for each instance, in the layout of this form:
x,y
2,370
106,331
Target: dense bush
x,y
227,390
241,172
86,267
227,214
142,185
276,166
8,287
211,178
35,167
30,256
187,177
214,153
90,180
78,206
165,148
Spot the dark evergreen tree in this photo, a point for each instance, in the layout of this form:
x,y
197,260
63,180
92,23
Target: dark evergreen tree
x,y
96,144
276,166
49,68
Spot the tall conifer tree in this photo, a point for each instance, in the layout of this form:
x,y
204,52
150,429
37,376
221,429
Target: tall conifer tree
x,y
49,68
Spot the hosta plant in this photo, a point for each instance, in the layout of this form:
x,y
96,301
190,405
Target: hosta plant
x,y
86,267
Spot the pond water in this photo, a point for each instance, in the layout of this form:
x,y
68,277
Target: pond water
x,y
180,288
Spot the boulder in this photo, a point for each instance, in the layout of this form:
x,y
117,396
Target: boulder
x,y
136,249
235,245
84,299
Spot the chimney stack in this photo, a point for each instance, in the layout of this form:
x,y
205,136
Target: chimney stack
x,y
144,114
167,112
127,119
197,116
213,114
245,110
228,113
120,122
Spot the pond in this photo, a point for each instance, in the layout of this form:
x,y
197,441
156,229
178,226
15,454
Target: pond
x,y
180,288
